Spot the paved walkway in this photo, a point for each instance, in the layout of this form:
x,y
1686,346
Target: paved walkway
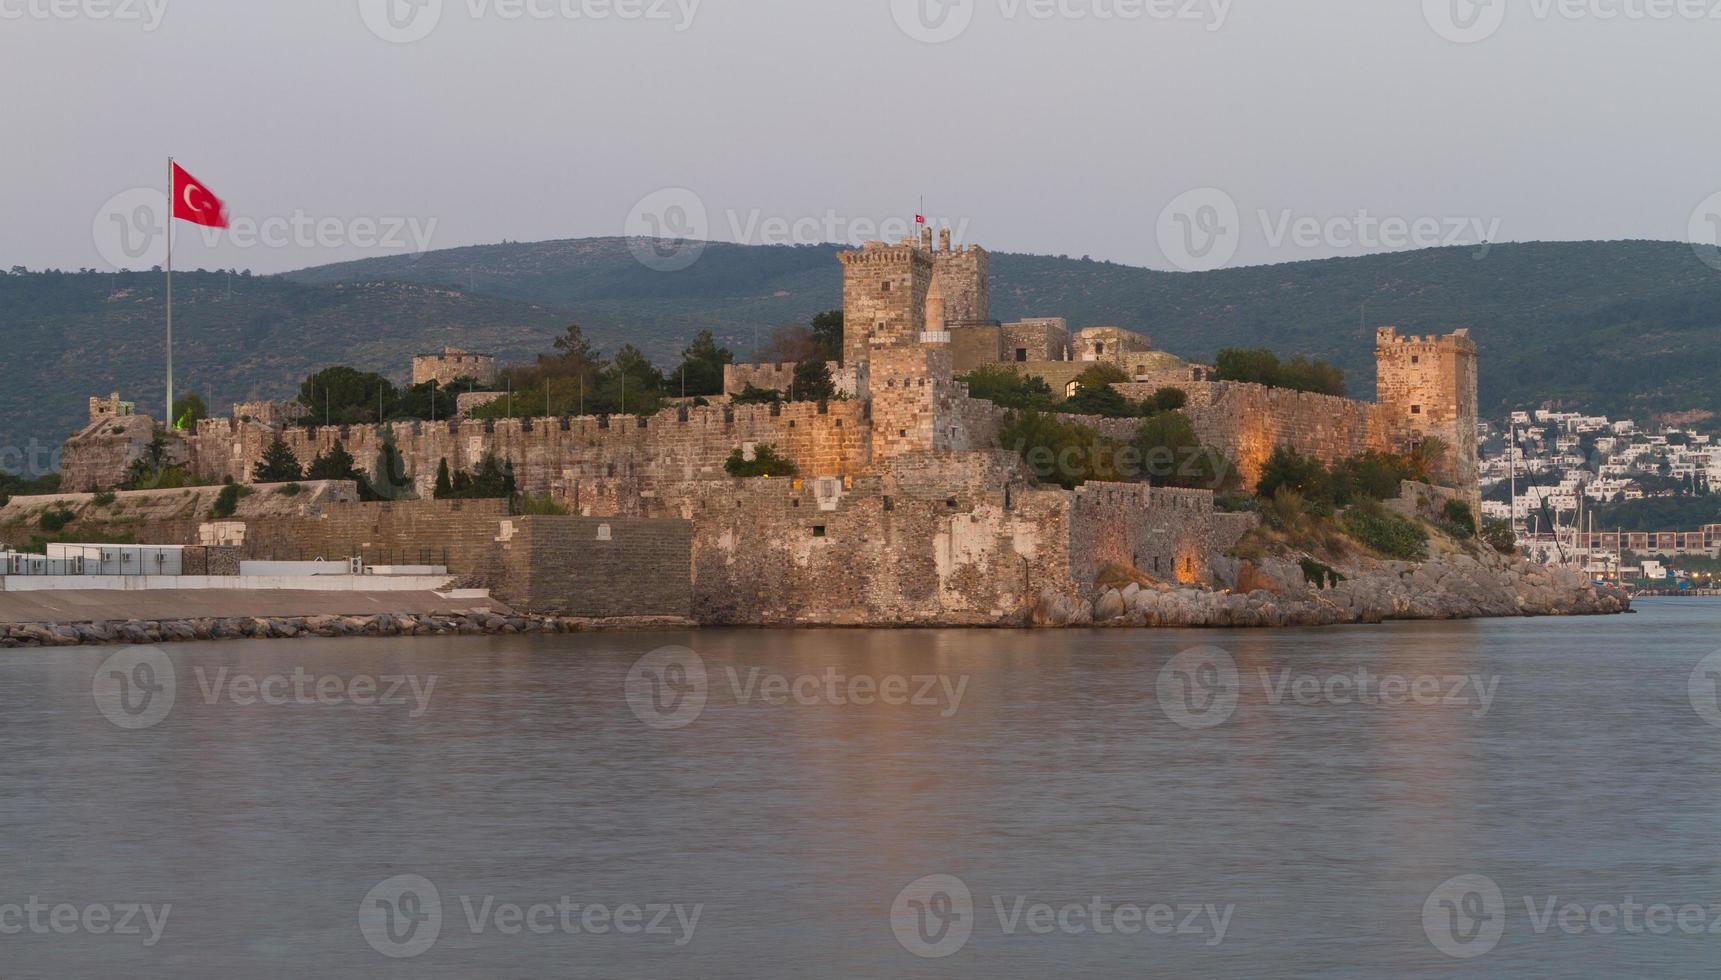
x,y
80,606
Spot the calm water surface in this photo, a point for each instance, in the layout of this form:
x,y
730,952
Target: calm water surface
x,y
1299,834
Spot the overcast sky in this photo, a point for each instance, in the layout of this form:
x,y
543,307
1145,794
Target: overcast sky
x,y
1053,126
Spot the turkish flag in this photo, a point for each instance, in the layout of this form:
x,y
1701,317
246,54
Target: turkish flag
x,y
194,203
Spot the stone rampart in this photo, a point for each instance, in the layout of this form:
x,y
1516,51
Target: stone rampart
x,y
552,456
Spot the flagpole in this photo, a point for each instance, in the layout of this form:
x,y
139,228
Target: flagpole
x,y
170,421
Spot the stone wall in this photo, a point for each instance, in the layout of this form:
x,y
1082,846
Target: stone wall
x,y
577,566
975,344
930,541
101,454
774,377
554,455
1167,534
467,402
1248,421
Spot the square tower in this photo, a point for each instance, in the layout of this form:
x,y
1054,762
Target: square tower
x,y
965,283
1428,385
884,298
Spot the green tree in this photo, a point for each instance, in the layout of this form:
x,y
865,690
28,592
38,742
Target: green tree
x,y
1171,454
388,480
426,401
188,410
1004,385
828,334
444,485
813,382
279,465
701,370
336,464
631,386
341,395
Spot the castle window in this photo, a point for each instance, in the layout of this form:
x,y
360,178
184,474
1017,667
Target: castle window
x,y
818,530
1416,359
889,504
951,503
886,286
1416,409
1099,348
1021,353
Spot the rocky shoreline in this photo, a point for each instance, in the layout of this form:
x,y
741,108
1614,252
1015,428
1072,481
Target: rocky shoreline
x,y
298,627
1269,592
1278,592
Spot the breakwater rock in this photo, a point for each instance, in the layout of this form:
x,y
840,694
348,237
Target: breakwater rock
x,y
1291,592
293,627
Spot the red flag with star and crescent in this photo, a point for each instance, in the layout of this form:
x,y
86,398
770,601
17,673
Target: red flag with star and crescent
x,y
193,202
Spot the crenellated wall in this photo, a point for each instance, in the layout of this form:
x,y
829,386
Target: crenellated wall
x,y
553,455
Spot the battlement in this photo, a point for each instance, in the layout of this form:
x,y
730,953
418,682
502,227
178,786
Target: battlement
x,y
883,253
1458,340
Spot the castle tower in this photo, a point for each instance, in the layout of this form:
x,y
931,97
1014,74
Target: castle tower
x,y
1428,385
884,298
965,278
916,402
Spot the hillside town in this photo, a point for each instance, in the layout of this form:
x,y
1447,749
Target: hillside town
x,y
1584,489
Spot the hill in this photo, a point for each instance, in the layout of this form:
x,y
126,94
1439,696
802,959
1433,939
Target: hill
x,y
1622,327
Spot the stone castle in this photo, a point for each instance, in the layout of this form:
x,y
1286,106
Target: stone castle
x,y
904,507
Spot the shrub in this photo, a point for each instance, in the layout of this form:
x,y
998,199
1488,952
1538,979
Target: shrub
x,y
1319,575
765,462
55,521
1235,503
1263,367
290,490
227,501
103,499
1386,533
1172,455
756,396
544,506
1307,476
1287,510
1499,536
1169,399
1003,384
1460,519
